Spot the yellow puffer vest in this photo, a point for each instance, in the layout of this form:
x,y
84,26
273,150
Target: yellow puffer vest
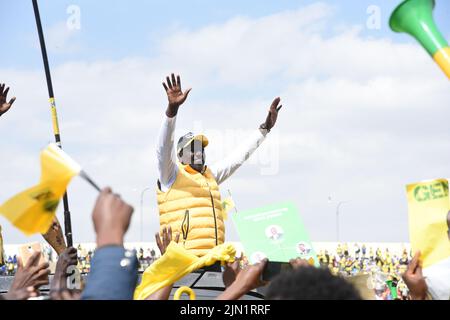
x,y
192,207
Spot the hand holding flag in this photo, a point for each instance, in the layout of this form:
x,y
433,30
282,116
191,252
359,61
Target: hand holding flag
x,y
32,211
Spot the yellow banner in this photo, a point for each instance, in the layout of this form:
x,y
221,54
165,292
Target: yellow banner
x,y
428,206
32,210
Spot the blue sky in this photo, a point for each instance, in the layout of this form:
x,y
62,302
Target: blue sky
x,y
118,29
353,99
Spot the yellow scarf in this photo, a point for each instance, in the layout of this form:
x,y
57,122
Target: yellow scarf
x,y
175,264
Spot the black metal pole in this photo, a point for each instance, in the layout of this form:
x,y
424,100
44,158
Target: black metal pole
x,y
67,222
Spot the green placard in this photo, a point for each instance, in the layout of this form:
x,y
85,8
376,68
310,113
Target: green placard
x,y
276,232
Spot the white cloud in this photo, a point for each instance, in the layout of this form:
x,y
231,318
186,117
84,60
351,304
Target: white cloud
x,y
60,39
361,118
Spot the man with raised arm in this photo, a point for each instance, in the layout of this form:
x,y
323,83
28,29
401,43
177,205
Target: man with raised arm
x,y
188,194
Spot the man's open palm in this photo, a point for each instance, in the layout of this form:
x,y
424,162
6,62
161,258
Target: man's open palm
x,y
273,114
4,106
173,89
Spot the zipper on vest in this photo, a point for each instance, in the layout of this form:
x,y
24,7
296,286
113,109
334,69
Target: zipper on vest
x,y
214,213
185,226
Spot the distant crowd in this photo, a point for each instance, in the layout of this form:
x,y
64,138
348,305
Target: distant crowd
x,y
383,265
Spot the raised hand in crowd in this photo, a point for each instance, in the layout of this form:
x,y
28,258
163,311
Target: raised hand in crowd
x,y
111,217
4,105
58,286
163,242
231,271
28,278
175,95
415,280
113,274
247,279
272,116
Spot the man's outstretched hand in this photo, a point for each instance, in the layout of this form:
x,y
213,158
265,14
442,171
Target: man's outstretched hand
x,y
273,114
175,96
5,106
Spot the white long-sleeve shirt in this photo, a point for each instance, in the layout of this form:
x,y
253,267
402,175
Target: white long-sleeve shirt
x,y
167,159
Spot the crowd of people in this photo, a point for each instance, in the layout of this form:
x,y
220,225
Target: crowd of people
x,y
145,257
341,261
385,266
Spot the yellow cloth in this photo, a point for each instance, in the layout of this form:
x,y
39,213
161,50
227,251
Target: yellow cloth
x,y
32,211
175,264
428,205
188,208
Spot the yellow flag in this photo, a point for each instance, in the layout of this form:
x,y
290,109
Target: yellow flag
x,y
57,165
32,211
227,205
428,206
175,264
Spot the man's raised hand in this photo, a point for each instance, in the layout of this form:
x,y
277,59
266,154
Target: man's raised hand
x,y
5,106
175,96
273,114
